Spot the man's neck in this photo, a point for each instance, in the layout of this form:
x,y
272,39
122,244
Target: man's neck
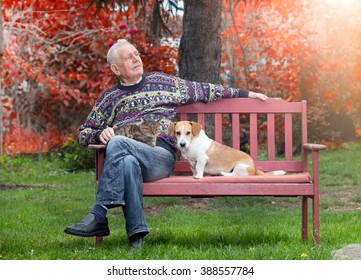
x,y
130,84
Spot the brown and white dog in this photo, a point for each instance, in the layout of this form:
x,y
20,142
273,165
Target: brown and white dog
x,y
208,156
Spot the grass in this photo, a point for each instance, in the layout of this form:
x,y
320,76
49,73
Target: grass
x,y
32,219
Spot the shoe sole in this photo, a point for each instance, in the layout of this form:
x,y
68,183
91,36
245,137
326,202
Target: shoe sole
x,y
104,232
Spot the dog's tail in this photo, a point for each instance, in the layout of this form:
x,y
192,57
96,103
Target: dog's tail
x,y
270,173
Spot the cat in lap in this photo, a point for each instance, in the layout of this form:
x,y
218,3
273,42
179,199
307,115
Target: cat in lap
x,y
146,131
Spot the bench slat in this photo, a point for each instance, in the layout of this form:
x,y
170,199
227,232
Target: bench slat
x,y
235,131
288,136
289,166
253,141
183,116
201,120
287,179
271,136
243,105
218,128
226,189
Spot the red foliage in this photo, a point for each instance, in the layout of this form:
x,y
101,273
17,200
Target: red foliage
x,y
262,51
54,65
54,61
25,141
286,49
358,132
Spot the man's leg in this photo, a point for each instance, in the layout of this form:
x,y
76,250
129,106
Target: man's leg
x,y
127,164
138,162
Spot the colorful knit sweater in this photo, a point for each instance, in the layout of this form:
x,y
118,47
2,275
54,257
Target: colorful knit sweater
x,y
155,97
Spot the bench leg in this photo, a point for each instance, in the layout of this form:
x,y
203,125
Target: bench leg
x,y
304,218
316,199
99,164
316,220
99,241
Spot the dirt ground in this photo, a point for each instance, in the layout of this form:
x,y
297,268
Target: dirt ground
x,y
340,200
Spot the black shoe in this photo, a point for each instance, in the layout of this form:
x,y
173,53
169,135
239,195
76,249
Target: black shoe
x,y
136,242
89,227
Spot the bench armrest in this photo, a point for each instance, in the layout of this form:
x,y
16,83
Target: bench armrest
x,y
97,146
314,147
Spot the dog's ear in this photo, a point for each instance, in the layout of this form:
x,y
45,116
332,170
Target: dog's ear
x,y
196,128
171,129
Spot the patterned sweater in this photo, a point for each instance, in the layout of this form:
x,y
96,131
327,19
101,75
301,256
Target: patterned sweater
x,y
155,97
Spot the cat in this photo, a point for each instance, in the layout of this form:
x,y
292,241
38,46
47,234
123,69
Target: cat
x,y
146,131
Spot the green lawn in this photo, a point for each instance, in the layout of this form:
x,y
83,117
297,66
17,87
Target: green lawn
x,y
32,219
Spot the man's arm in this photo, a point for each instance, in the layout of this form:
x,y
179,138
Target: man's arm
x,y
90,131
191,92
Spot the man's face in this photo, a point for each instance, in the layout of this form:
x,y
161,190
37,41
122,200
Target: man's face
x,y
128,65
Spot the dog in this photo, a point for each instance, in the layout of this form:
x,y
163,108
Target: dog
x,y
208,156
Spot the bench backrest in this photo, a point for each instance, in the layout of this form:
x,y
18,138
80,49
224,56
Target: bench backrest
x,y
271,128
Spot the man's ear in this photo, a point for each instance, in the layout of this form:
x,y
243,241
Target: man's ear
x,y
115,69
196,128
171,129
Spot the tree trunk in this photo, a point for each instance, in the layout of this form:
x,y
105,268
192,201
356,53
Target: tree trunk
x,y
200,46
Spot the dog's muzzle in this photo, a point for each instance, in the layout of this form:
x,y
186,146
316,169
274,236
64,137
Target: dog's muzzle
x,y
182,144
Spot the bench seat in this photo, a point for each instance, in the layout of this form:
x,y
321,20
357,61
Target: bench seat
x,y
231,186
291,178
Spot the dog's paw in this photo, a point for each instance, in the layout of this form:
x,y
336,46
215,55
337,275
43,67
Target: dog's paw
x,y
198,176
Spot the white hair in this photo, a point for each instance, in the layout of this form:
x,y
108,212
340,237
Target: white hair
x,y
111,51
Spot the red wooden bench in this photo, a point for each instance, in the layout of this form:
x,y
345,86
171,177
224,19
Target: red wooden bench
x,y
259,118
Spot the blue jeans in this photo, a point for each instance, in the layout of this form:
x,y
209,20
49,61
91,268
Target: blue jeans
x,y
129,163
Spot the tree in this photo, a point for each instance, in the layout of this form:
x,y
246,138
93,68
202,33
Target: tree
x,y
200,48
55,67
154,13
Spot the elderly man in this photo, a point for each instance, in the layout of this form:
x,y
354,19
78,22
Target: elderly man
x,y
129,163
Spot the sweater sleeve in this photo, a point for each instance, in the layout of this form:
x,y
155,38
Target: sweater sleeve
x,y
90,130
191,92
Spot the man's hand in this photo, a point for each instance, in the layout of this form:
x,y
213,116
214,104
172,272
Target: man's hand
x,y
261,96
106,135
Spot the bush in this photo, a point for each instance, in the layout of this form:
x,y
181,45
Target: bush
x,y
74,158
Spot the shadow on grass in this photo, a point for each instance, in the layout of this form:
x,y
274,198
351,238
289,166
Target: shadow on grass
x,y
218,239
200,238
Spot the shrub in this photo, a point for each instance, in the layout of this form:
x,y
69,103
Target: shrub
x,y
74,158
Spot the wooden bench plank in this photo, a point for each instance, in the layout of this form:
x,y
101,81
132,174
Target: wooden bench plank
x,y
224,189
289,166
243,105
288,136
271,136
290,178
236,143
218,127
253,139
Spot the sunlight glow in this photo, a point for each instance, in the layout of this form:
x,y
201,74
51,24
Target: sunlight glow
x,y
343,4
